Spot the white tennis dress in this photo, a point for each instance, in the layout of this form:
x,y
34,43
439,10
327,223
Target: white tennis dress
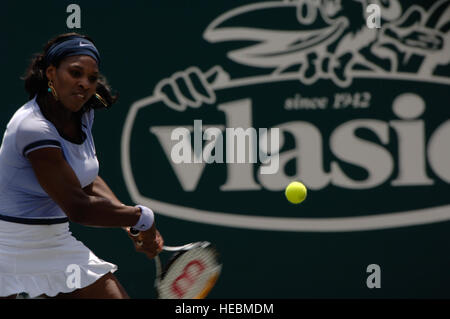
x,y
38,254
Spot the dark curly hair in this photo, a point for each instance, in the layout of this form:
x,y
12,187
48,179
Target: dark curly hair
x,y
36,81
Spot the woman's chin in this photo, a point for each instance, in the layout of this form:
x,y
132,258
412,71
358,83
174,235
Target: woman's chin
x,y
74,104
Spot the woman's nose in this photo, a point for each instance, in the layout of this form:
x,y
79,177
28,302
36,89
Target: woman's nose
x,y
84,83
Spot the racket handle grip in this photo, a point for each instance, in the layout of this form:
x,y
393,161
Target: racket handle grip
x,y
134,232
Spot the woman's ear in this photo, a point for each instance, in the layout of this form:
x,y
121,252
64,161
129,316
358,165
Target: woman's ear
x,y
50,72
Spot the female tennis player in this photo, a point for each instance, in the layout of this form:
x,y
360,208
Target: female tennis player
x,y
49,176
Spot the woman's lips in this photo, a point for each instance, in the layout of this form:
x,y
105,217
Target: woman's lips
x,y
80,96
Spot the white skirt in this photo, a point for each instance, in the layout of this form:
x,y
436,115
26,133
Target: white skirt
x,y
45,259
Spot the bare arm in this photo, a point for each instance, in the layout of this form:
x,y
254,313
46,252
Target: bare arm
x,y
101,189
64,188
152,241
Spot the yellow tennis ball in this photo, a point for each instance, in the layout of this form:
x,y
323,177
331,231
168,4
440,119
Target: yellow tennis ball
x,y
295,192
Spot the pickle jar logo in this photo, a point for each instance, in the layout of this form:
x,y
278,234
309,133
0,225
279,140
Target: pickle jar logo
x,y
361,114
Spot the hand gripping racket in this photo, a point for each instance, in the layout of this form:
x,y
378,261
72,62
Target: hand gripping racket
x,y
190,273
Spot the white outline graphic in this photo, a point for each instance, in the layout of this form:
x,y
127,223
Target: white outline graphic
x,y
343,224
264,54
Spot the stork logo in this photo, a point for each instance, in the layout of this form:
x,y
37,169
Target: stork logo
x,y
362,117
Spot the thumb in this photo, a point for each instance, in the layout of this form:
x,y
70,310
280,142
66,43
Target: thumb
x,y
217,77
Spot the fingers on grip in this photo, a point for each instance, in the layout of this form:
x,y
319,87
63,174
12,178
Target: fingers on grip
x,y
189,88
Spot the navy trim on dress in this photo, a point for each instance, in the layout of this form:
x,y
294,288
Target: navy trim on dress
x,y
34,221
40,143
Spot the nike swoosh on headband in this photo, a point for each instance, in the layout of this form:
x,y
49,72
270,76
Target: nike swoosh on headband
x,y
85,44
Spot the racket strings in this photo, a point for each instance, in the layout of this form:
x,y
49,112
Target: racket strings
x,y
191,274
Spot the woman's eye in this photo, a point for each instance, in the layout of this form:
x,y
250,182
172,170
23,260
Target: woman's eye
x,y
75,74
93,79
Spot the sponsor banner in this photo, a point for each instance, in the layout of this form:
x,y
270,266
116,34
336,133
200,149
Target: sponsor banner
x,y
360,111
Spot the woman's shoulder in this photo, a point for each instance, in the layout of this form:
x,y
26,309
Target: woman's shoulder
x,y
29,118
28,127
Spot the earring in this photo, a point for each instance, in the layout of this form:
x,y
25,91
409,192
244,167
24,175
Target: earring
x,y
98,96
52,90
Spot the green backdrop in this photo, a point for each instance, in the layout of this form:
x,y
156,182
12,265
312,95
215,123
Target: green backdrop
x,y
380,151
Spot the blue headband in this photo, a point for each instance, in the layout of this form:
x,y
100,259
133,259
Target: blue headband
x,y
70,47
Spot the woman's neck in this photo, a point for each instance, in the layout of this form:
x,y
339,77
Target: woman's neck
x,y
66,122
54,111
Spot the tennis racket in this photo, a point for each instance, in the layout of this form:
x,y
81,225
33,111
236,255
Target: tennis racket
x,y
190,272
